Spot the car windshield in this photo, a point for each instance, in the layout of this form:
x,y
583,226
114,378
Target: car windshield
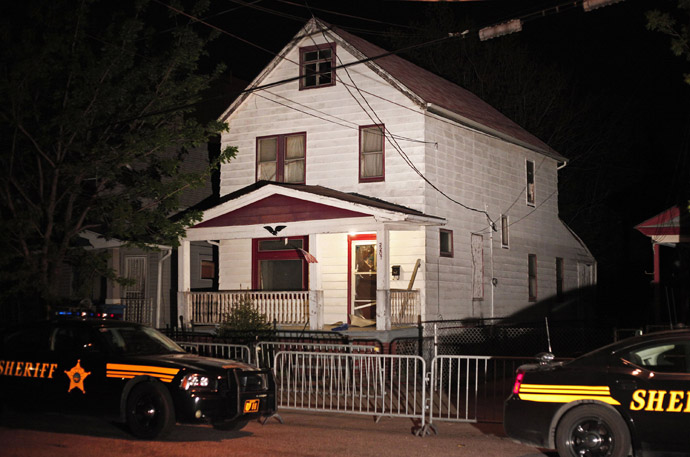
x,y
138,341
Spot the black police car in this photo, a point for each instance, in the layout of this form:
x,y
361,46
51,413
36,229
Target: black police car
x,y
628,398
133,371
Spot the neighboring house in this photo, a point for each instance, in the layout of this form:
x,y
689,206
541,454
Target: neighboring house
x,y
669,232
151,298
375,192
148,298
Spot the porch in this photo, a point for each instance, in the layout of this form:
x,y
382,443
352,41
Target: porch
x,y
308,256
287,308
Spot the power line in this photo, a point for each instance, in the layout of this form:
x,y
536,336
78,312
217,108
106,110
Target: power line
x,y
395,144
376,21
392,139
352,125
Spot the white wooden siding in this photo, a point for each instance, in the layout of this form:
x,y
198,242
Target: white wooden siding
x,y
476,169
332,148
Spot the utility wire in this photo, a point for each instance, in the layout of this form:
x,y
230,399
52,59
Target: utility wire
x,y
394,142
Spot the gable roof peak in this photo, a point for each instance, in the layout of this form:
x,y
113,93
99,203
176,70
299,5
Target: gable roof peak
x,y
430,92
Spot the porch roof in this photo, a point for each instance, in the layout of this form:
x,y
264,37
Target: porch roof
x,y
266,202
670,226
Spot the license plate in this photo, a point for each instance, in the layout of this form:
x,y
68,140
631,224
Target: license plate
x,y
251,406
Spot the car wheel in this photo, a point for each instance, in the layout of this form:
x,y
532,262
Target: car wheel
x,y
592,431
232,426
150,413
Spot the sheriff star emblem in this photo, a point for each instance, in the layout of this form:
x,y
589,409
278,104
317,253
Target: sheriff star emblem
x,y
76,377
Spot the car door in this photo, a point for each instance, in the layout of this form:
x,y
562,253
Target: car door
x,y
81,358
652,382
27,367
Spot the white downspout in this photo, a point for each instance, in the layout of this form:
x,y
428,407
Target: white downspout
x,y
159,291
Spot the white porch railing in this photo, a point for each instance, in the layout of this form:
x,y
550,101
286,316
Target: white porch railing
x,y
286,308
282,307
405,306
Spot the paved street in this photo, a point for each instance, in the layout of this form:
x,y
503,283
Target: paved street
x,y
57,435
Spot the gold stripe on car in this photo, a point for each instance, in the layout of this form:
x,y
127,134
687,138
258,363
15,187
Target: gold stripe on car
x,y
117,370
549,393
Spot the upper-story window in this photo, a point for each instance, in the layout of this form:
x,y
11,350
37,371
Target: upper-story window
x,y
317,66
281,158
371,153
530,182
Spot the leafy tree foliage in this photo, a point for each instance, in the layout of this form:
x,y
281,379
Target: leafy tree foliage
x,y
96,114
676,25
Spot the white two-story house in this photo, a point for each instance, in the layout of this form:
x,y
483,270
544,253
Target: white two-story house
x,y
367,190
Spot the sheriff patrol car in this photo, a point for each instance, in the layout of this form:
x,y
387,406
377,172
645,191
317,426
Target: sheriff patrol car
x,y
134,371
628,398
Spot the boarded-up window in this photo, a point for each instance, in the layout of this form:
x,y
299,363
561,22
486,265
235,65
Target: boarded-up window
x,y
585,274
477,246
532,276
208,269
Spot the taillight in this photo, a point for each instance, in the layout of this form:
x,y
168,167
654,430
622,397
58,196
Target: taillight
x,y
518,382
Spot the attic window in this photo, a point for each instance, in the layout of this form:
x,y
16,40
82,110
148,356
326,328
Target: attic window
x,y
317,66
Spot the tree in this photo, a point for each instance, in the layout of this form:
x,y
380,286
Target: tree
x,y
97,113
677,26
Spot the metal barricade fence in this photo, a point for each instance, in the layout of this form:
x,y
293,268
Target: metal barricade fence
x,y
471,388
265,351
370,384
237,352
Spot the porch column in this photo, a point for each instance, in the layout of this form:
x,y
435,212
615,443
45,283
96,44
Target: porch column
x,y
315,287
383,293
183,280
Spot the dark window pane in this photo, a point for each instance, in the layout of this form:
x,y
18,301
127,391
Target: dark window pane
x,y
281,274
279,245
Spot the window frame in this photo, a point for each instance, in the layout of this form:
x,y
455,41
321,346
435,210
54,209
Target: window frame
x,y
530,184
382,177
281,145
532,278
303,62
451,251
505,232
287,254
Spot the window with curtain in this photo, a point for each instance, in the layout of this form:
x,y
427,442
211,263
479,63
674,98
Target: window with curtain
x,y
281,158
531,198
371,153
317,66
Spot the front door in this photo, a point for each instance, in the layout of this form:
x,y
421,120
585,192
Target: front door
x,y
363,277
